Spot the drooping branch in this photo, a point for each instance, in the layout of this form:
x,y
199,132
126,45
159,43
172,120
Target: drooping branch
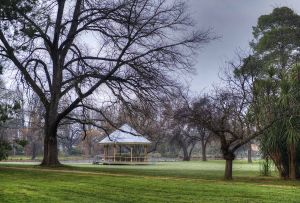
x,y
10,53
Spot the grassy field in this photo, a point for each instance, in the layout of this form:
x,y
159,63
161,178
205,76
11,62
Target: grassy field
x,y
162,182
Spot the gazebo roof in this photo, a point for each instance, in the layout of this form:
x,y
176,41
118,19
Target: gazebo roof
x,y
125,135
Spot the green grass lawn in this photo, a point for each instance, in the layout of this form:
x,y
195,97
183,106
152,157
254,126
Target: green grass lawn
x,y
161,182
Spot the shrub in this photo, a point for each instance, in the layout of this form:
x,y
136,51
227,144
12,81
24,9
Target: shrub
x,y
265,167
4,149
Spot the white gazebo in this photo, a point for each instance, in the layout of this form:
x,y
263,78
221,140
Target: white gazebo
x,y
125,145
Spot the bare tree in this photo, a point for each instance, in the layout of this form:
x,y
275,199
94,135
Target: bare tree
x,y
249,153
227,114
185,137
148,120
69,136
218,115
71,48
183,132
205,137
34,130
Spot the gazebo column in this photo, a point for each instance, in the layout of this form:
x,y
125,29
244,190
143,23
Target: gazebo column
x,y
131,154
114,153
104,152
145,152
107,153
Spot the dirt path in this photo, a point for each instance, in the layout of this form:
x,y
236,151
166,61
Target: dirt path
x,y
66,171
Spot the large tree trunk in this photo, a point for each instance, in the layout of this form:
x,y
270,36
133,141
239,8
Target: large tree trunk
x,y
292,161
203,145
249,154
50,151
50,141
228,169
229,157
186,156
90,146
276,158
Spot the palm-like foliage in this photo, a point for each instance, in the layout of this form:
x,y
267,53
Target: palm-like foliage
x,y
281,141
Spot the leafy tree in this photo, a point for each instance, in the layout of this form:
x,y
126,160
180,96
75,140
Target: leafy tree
x,y
7,111
276,45
276,39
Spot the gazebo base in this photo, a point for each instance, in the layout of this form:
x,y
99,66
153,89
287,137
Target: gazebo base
x,y
124,163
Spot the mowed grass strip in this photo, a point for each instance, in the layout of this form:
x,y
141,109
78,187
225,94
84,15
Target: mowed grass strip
x,y
155,183
193,169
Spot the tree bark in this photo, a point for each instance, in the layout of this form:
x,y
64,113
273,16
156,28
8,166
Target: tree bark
x,y
186,156
50,152
203,150
228,169
90,145
229,157
292,161
277,160
50,142
249,154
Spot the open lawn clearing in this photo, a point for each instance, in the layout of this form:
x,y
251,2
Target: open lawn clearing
x,y
163,182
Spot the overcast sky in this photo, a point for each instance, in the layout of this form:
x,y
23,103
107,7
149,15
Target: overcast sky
x,y
233,21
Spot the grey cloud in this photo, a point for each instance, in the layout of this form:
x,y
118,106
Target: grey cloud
x,y
233,21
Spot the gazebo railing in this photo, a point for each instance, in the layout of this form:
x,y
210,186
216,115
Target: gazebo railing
x,y
124,159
